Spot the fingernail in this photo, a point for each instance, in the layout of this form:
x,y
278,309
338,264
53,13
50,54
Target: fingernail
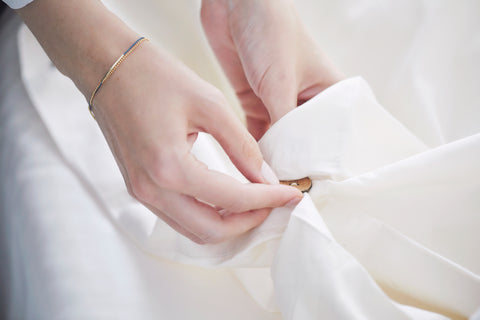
x,y
293,202
268,174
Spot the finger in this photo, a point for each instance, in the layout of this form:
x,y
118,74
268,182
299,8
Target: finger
x,y
234,138
266,45
278,89
316,71
173,224
146,191
204,222
226,192
214,17
272,71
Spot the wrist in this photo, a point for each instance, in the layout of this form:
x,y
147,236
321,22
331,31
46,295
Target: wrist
x,y
81,37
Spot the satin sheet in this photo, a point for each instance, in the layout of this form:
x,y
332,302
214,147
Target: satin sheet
x,y
388,230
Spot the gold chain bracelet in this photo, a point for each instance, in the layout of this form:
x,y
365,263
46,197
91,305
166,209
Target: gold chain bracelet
x,y
112,70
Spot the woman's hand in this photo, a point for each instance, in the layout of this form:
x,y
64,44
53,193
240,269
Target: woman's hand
x,y
150,111
267,55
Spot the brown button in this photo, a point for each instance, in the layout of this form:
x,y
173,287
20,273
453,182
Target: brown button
x,y
304,184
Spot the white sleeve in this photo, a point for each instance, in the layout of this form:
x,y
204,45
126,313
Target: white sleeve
x,y
17,4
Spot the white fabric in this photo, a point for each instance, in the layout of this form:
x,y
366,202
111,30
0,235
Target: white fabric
x,y
62,256
17,4
387,214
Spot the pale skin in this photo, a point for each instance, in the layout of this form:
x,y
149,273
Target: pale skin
x,y
152,108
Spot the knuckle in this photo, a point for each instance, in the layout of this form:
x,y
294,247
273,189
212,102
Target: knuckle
x,y
250,148
239,203
218,96
214,99
197,240
261,81
163,175
140,189
233,206
166,171
212,237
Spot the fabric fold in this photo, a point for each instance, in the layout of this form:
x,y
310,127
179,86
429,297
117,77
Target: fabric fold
x,y
326,254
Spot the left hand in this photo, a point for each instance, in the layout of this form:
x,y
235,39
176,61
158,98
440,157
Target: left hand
x,y
270,60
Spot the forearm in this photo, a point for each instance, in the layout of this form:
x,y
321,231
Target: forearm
x,y
81,37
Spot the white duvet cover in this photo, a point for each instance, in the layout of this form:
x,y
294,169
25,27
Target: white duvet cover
x,y
388,231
